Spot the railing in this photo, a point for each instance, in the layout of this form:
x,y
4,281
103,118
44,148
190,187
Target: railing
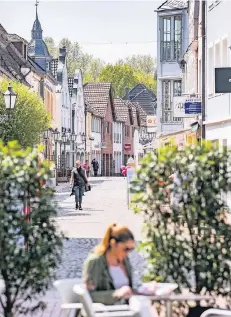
x,y
170,50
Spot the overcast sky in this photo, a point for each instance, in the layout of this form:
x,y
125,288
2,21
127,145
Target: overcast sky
x,y
93,24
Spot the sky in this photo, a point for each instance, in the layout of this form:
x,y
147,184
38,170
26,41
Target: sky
x,y
108,29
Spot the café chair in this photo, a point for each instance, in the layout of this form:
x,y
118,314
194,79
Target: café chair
x,y
216,313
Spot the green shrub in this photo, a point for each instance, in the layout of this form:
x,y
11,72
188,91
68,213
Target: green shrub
x,y
30,248
188,240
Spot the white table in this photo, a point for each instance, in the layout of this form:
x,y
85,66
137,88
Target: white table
x,y
169,299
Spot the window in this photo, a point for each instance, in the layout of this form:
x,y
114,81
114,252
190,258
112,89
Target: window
x,y
107,127
171,38
211,71
177,90
167,39
127,131
224,60
166,94
217,55
177,37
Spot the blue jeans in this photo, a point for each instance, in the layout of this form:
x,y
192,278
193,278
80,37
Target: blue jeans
x,y
78,194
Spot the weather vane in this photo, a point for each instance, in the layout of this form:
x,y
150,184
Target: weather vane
x,y
36,3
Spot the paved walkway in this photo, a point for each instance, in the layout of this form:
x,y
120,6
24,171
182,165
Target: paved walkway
x,y
105,204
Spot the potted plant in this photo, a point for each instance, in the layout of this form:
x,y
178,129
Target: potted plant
x,y
30,247
191,243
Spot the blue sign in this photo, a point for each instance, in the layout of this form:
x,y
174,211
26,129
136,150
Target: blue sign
x,y
193,107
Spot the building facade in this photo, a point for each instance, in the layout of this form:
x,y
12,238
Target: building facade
x,y
218,123
172,43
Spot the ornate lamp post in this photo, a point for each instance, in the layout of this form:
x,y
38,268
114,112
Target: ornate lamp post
x,y
46,136
10,98
56,136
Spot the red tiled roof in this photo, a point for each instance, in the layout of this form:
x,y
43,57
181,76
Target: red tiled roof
x,y
121,110
96,96
133,109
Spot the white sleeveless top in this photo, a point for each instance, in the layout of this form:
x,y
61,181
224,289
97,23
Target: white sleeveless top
x,y
118,276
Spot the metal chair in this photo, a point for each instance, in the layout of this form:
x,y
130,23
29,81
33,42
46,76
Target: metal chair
x,y
91,310
216,313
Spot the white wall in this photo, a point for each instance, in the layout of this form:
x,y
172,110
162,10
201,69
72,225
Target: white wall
x,y
118,145
218,55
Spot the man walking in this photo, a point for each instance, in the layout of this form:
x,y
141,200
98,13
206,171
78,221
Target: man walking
x,y
78,182
95,165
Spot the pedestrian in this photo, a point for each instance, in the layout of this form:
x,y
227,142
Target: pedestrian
x,y
87,168
78,182
95,165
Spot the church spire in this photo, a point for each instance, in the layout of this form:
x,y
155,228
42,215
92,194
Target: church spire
x,y
37,31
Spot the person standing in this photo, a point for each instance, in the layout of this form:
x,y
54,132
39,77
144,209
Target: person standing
x,y
95,165
87,168
78,182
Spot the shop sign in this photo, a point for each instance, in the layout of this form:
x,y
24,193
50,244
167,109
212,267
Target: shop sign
x,y
151,123
127,147
186,107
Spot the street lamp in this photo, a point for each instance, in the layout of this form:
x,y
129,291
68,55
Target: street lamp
x,y
10,98
46,136
56,135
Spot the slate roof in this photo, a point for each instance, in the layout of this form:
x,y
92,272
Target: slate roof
x,y
97,96
173,4
146,98
16,38
10,59
121,110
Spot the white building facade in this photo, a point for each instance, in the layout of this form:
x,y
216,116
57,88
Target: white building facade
x,y
117,146
96,140
218,109
172,43
79,116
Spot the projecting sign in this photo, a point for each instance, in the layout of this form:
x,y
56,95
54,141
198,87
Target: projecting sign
x,y
151,123
193,107
223,80
185,107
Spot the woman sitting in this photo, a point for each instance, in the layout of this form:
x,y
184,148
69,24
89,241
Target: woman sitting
x,y
107,271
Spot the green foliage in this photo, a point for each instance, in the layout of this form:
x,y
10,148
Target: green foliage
x,y
29,118
126,73
30,248
121,76
188,239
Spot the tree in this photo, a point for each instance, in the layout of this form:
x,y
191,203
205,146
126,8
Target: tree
x,y
29,118
30,246
121,77
94,70
124,76
143,63
52,48
192,237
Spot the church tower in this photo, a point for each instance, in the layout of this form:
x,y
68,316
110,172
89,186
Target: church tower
x,y
37,49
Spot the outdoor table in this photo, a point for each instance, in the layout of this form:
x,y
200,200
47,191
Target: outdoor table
x,y
169,299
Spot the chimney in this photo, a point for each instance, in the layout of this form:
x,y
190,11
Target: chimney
x,y
127,93
62,54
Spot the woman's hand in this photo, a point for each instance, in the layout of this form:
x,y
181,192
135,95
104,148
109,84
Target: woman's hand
x,y
123,292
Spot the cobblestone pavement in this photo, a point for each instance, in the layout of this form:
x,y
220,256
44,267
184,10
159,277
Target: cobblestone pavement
x,y
105,204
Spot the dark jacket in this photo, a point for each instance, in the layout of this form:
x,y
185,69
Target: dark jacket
x,y
97,277
78,177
